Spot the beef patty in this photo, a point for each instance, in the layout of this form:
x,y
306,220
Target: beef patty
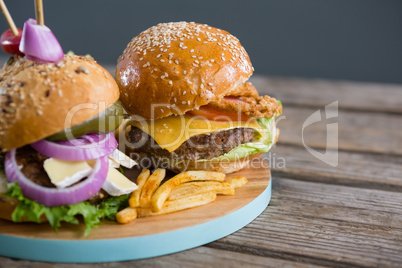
x,y
205,146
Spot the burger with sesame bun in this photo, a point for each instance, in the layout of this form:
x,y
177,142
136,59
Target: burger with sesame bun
x,y
58,152
185,84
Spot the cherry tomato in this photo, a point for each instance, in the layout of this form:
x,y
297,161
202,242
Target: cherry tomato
x,y
216,115
10,43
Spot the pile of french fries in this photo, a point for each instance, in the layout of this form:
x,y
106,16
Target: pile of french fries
x,y
185,190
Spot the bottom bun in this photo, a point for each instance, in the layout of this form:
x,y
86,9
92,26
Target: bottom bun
x,y
7,207
224,166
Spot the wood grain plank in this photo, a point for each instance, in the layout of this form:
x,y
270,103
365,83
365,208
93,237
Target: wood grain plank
x,y
325,225
358,131
197,257
362,170
317,92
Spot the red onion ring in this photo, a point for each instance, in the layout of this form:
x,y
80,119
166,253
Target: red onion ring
x,y
39,43
52,197
84,148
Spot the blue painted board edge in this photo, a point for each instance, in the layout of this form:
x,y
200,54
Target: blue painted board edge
x,y
132,248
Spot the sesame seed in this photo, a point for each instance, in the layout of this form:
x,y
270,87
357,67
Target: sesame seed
x,y
195,65
212,60
183,102
162,110
200,58
210,84
162,60
192,50
199,39
176,61
202,86
173,105
223,58
175,100
162,77
170,82
196,61
194,56
141,58
158,55
188,102
166,75
184,93
184,72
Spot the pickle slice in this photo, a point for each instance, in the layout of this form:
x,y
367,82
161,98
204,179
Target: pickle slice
x,y
107,121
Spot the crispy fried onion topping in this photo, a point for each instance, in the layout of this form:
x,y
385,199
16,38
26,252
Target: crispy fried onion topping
x,y
245,99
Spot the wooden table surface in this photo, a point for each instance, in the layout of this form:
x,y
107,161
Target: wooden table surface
x,y
344,216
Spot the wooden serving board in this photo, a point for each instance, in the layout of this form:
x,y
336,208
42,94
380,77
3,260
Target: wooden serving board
x,y
144,237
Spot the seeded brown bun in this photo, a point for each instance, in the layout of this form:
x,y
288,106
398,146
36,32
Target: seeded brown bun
x,y
38,100
172,68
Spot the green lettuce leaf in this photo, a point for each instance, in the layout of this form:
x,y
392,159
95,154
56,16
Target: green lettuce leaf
x,y
91,214
263,144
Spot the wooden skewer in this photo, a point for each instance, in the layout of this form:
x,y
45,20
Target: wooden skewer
x,y
39,12
8,18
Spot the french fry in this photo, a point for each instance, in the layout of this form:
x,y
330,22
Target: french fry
x,y
199,187
237,182
150,186
126,215
134,200
163,191
179,204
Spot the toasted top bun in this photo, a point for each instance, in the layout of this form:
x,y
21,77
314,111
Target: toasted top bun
x,y
38,100
172,68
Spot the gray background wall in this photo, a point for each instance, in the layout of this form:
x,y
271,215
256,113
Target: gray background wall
x,y
343,39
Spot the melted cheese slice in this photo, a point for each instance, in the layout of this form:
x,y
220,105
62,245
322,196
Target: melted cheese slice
x,y
173,131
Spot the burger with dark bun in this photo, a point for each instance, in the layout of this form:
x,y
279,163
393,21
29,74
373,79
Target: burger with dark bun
x,y
185,84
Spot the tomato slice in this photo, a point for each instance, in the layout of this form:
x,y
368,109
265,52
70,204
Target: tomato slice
x,y
216,115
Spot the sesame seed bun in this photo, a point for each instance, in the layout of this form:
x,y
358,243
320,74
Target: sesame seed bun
x,y
39,100
172,68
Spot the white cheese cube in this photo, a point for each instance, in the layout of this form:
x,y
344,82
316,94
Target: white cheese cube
x,y
122,159
117,184
113,164
65,173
